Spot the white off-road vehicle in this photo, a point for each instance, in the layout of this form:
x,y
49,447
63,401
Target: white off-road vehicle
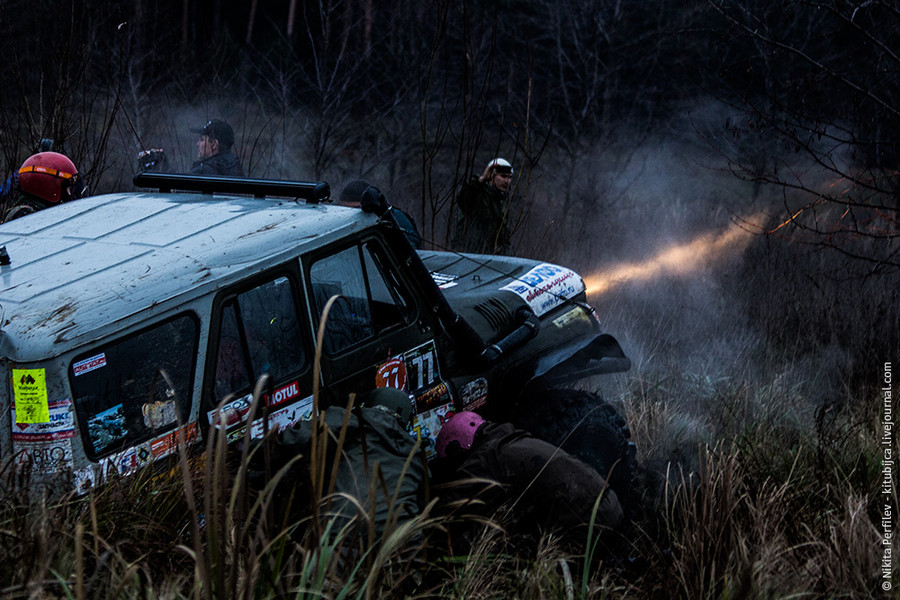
x,y
132,321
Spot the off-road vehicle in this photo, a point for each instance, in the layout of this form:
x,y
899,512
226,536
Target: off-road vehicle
x,y
130,321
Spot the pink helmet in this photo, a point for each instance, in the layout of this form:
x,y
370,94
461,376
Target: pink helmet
x,y
461,429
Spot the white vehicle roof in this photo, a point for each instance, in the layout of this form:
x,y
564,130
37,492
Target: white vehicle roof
x,y
82,270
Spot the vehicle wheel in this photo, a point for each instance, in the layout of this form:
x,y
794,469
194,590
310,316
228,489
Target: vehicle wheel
x,y
585,425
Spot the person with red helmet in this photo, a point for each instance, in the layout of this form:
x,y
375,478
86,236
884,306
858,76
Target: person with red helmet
x,y
482,467
45,179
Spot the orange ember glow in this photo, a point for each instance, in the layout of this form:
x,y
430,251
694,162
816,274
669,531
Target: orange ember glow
x,y
678,259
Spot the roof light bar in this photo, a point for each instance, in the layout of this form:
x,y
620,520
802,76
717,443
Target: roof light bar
x,y
313,192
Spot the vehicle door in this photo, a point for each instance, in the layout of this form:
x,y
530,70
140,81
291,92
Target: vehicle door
x,y
376,331
256,329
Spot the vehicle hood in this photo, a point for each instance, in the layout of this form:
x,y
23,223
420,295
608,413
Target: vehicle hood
x,y
539,285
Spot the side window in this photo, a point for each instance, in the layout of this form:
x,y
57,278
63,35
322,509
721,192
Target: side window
x,y
369,301
135,388
259,333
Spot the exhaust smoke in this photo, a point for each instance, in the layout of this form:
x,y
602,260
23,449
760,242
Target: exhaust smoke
x,y
678,259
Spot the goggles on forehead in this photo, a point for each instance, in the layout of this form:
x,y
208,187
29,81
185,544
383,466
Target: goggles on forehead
x,y
71,177
74,180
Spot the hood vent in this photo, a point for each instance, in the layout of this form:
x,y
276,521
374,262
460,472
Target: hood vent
x,y
496,313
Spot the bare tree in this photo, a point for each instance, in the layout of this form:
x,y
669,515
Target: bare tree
x,y
837,113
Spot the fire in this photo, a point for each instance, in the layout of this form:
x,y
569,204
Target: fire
x,y
679,259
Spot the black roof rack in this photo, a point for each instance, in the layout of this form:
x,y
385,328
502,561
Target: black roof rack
x,y
312,192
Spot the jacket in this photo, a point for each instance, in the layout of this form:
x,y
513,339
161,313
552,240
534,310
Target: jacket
x,y
482,224
545,488
374,440
224,163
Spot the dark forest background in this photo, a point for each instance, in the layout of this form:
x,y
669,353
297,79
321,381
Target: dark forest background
x,y
632,126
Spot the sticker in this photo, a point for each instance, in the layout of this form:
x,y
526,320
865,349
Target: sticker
x,y
282,395
128,461
283,418
45,457
474,394
133,458
89,364
432,397
427,425
421,367
576,314
235,413
46,447
167,444
231,413
30,394
107,427
444,281
158,414
391,374
61,421
546,286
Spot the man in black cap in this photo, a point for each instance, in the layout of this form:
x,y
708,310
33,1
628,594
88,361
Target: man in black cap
x,y
214,154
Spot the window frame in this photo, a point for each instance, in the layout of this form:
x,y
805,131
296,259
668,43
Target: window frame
x,y
186,405
289,271
404,299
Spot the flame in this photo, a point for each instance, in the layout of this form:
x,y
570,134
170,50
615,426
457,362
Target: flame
x,y
677,259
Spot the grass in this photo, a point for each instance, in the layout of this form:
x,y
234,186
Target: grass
x,y
776,510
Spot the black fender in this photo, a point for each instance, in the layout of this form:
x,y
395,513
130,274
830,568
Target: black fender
x,y
599,354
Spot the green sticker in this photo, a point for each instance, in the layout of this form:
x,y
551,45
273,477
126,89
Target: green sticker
x,y
30,392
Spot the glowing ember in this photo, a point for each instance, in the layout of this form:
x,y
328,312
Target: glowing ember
x,y
680,259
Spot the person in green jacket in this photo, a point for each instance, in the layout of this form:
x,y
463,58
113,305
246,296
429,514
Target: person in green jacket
x,y
381,470
482,226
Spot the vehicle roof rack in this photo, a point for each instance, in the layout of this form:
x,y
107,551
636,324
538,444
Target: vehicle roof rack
x,y
313,192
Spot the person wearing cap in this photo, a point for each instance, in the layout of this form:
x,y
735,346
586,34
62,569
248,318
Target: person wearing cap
x,y
482,226
214,153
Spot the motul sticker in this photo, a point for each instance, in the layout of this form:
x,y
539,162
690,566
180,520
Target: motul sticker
x,y
391,374
89,364
546,286
283,394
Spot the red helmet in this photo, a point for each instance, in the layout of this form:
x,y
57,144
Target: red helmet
x,y
50,176
461,429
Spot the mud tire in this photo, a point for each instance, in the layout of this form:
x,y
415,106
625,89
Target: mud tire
x,y
585,425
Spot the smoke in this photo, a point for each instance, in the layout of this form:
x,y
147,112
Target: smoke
x,y
680,260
